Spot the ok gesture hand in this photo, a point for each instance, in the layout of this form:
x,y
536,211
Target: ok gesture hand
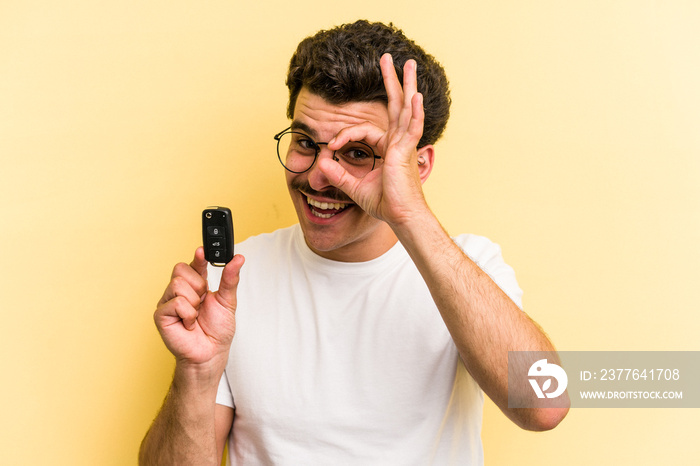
x,y
393,190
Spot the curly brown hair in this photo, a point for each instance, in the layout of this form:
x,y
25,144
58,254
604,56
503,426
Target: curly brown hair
x,y
342,65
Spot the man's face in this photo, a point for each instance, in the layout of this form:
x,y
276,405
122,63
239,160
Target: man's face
x,y
335,227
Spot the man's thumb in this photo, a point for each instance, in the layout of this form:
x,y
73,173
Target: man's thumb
x,y
229,282
338,176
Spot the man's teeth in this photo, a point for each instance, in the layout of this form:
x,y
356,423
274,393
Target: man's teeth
x,y
326,205
337,206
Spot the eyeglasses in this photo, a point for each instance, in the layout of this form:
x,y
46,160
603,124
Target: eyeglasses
x,y
297,153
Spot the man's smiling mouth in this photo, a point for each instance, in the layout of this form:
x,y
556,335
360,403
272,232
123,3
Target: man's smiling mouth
x,y
325,209
334,200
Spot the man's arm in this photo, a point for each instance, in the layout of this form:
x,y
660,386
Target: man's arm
x,y
224,423
484,323
184,432
197,326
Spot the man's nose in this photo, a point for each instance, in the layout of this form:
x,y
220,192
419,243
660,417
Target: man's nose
x,y
317,180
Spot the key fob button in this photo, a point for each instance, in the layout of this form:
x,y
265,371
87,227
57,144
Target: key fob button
x,y
215,231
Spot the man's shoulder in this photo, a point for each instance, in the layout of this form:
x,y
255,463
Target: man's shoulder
x,y
477,246
488,256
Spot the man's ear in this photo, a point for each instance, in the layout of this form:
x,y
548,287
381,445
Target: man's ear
x,y
426,159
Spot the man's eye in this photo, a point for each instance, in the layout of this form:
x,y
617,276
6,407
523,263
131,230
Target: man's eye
x,y
356,153
304,145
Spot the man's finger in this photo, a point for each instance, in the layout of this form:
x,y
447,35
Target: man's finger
x,y
366,132
415,125
410,81
184,274
181,287
410,88
339,177
199,263
177,310
394,91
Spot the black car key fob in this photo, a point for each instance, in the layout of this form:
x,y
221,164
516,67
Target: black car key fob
x,y
217,232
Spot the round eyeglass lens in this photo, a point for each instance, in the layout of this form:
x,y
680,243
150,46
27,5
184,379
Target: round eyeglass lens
x,y
296,151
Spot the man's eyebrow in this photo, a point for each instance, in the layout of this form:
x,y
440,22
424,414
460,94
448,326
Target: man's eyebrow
x,y
298,125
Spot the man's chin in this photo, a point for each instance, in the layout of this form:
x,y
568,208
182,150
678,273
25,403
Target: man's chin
x,y
325,245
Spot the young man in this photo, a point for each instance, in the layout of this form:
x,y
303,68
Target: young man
x,y
364,334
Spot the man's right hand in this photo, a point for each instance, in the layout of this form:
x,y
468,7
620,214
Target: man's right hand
x,y
198,325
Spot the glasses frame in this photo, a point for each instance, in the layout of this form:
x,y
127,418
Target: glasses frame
x,y
317,147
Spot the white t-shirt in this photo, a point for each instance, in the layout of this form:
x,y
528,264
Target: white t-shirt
x,y
348,363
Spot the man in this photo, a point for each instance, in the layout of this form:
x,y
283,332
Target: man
x,y
364,334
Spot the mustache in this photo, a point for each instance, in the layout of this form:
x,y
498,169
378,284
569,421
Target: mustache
x,y
330,193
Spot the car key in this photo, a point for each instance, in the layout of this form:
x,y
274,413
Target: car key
x,y
217,233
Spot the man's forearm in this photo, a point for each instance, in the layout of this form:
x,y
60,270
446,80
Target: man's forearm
x,y
484,322
184,430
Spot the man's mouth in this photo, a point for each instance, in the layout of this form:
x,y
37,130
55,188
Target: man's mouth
x,y
325,209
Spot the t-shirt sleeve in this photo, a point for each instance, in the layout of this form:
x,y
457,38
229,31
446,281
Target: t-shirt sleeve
x,y
224,395
487,255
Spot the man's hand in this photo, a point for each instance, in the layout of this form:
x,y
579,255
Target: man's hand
x,y
392,191
197,325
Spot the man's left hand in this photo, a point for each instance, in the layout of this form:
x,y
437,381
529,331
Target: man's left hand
x,y
393,190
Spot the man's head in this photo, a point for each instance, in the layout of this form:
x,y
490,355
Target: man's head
x,y
342,66
338,81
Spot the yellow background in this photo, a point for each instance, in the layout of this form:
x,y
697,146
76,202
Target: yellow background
x,y
574,143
